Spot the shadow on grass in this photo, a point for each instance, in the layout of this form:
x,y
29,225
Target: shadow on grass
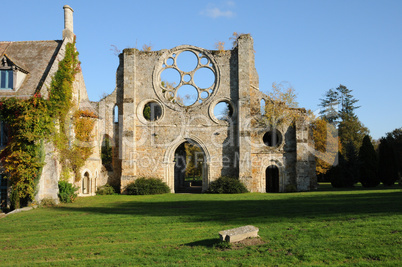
x,y
267,207
327,187
208,243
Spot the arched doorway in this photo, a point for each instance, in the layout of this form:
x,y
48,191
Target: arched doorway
x,y
86,184
189,173
272,179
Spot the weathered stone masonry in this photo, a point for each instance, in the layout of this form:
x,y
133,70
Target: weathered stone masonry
x,y
238,145
234,147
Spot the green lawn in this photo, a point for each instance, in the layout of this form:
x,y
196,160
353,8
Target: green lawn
x,y
347,227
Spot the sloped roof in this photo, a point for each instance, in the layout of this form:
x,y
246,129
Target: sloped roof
x,y
36,57
19,66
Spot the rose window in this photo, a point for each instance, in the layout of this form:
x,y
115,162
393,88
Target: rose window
x,y
185,76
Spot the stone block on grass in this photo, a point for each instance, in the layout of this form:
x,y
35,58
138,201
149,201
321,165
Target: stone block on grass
x,y
239,234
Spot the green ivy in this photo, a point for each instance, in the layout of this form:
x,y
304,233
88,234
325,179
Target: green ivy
x,y
72,155
22,159
31,120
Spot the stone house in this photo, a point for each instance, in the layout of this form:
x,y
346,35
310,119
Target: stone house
x,y
26,68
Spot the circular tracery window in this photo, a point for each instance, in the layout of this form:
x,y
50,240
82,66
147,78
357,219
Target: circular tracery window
x,y
185,76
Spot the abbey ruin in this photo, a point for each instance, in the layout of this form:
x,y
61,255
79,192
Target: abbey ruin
x,y
162,100
237,146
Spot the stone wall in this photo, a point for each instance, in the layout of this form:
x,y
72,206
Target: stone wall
x,y
231,147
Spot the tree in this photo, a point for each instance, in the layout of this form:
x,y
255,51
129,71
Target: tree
x,y
280,107
395,140
351,130
340,175
368,164
327,144
351,162
338,104
345,174
338,107
194,160
347,102
388,168
329,106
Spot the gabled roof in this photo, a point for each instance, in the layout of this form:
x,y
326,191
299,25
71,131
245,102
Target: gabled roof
x,y
11,62
35,57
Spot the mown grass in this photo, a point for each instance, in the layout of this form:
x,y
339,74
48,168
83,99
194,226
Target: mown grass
x,y
347,227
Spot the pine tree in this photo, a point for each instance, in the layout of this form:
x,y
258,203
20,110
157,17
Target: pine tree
x,y
347,102
368,164
338,104
329,105
349,126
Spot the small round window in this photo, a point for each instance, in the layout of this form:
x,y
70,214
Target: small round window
x,y
272,138
152,111
223,111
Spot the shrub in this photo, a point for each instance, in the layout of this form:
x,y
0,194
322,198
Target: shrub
x,y
67,192
105,190
147,186
14,200
48,203
290,188
227,185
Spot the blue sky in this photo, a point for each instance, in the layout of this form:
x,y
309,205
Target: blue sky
x,y
312,45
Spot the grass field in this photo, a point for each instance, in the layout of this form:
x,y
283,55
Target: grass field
x,y
347,227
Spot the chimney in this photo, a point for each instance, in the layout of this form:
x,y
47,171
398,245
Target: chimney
x,y
68,31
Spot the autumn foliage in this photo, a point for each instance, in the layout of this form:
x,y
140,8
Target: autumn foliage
x,y
27,122
326,143
35,120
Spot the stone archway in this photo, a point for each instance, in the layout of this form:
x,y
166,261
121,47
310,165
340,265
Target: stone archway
x,y
272,179
175,166
189,168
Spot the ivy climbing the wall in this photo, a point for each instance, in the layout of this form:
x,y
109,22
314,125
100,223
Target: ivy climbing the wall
x,y
28,121
33,121
74,150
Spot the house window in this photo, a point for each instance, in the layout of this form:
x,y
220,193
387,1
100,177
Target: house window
x,y
6,79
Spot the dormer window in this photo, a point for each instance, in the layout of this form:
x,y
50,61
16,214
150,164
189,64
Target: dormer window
x,y
6,79
11,75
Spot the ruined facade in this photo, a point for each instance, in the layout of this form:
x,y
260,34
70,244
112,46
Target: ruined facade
x,y
182,97
164,99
